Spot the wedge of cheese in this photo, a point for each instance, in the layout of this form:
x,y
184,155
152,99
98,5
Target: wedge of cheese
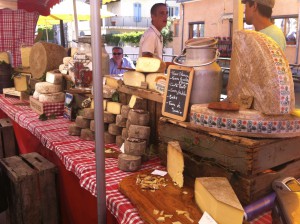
x,y
175,163
112,82
25,52
4,56
21,82
132,78
113,107
54,77
216,196
150,65
151,79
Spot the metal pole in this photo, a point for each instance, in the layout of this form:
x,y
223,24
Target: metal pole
x,y
98,98
75,19
182,41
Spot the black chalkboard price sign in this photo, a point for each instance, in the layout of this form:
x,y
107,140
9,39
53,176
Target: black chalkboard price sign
x,y
177,92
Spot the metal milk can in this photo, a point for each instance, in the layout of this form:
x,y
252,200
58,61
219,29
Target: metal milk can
x,y
201,54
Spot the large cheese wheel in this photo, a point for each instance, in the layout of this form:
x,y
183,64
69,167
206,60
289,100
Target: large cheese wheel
x,y
125,110
121,121
113,129
133,78
46,87
108,91
109,138
260,69
52,97
74,129
140,132
87,134
82,122
45,57
109,117
150,65
88,113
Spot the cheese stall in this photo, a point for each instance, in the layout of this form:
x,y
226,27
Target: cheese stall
x,y
174,153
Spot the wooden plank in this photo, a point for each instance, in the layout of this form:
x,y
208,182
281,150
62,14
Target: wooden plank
x,y
146,94
157,117
8,138
171,198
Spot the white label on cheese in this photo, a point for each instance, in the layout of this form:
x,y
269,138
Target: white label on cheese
x,y
207,219
122,149
159,173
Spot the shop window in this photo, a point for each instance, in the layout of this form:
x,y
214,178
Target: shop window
x,y
196,30
137,17
173,12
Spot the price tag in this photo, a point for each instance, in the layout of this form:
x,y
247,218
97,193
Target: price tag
x,y
207,219
159,173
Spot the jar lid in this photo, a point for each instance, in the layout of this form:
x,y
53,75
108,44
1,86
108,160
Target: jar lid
x,y
201,42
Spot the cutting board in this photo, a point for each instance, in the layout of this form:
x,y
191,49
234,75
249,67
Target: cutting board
x,y
167,199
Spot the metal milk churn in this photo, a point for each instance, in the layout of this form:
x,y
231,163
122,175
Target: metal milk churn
x,y
201,54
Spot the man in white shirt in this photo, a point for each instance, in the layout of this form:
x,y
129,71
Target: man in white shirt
x,y
151,43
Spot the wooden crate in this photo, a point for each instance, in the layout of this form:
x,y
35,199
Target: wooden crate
x,y
32,189
250,164
8,146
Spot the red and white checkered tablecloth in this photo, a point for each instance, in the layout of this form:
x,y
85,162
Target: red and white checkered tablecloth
x,y
17,28
78,157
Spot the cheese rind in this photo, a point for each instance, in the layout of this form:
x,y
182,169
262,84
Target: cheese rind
x,y
46,87
175,163
150,65
151,79
132,78
108,91
52,97
216,196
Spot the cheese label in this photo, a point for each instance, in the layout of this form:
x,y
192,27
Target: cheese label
x,y
207,219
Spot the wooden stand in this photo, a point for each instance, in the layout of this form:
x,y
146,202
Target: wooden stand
x,y
8,146
250,164
32,191
12,92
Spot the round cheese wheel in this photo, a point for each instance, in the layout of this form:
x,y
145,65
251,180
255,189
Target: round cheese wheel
x,y
124,133
74,130
125,110
113,129
139,117
121,121
109,117
109,138
36,95
82,122
119,140
129,163
88,113
135,147
87,134
92,125
46,87
52,97
140,132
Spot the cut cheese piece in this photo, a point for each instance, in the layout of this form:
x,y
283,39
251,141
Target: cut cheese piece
x,y
175,163
137,103
54,77
132,78
66,60
46,87
4,56
216,196
25,52
113,107
104,104
52,97
108,91
21,82
152,78
150,65
112,82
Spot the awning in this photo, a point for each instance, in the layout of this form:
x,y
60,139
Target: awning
x,y
42,7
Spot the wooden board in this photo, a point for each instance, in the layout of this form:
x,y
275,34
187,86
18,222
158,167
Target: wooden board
x,y
177,93
167,199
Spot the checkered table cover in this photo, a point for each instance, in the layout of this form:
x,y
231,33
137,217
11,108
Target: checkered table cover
x,y
78,157
16,29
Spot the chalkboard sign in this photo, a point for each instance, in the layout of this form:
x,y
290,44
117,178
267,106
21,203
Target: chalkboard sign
x,y
177,92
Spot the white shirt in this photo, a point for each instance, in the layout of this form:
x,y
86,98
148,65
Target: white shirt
x,y
152,41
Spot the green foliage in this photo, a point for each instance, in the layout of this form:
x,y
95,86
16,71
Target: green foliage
x,y
44,36
134,37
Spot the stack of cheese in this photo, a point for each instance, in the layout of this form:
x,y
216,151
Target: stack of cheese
x,y
51,90
84,125
136,134
148,72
